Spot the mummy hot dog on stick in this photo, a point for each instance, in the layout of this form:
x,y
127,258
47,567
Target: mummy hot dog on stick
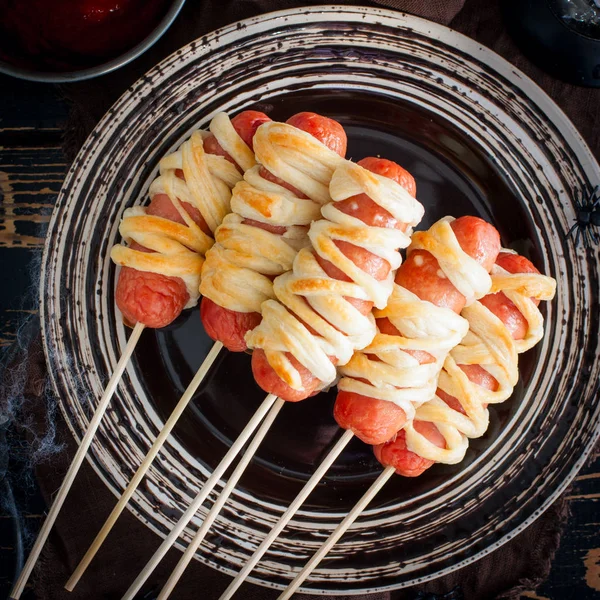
x,y
482,370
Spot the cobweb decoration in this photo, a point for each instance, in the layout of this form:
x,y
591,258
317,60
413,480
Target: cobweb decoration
x,y
27,404
28,411
24,392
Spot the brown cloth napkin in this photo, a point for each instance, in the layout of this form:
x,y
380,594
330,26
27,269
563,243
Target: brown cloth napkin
x,y
521,564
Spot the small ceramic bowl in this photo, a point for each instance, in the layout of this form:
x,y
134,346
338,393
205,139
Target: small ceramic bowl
x,y
107,67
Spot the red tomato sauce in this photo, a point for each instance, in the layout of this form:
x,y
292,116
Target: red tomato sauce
x,y
66,35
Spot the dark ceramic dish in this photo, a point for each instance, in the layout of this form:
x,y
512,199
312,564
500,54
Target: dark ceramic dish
x,y
32,74
479,138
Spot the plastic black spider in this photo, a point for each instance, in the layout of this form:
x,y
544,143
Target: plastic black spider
x,y
588,216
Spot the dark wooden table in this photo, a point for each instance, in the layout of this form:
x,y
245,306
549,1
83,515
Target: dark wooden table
x,y
32,168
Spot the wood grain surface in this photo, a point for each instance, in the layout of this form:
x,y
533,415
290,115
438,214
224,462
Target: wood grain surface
x,y
32,167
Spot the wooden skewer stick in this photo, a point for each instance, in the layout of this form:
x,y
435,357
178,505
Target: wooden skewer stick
x,y
337,533
144,466
287,515
211,482
76,464
188,555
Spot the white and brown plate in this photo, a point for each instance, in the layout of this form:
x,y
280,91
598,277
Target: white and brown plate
x,y
479,138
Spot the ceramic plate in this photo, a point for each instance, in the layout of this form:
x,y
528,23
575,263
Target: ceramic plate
x,y
479,138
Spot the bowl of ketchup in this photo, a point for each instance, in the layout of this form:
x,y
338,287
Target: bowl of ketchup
x,y
69,40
